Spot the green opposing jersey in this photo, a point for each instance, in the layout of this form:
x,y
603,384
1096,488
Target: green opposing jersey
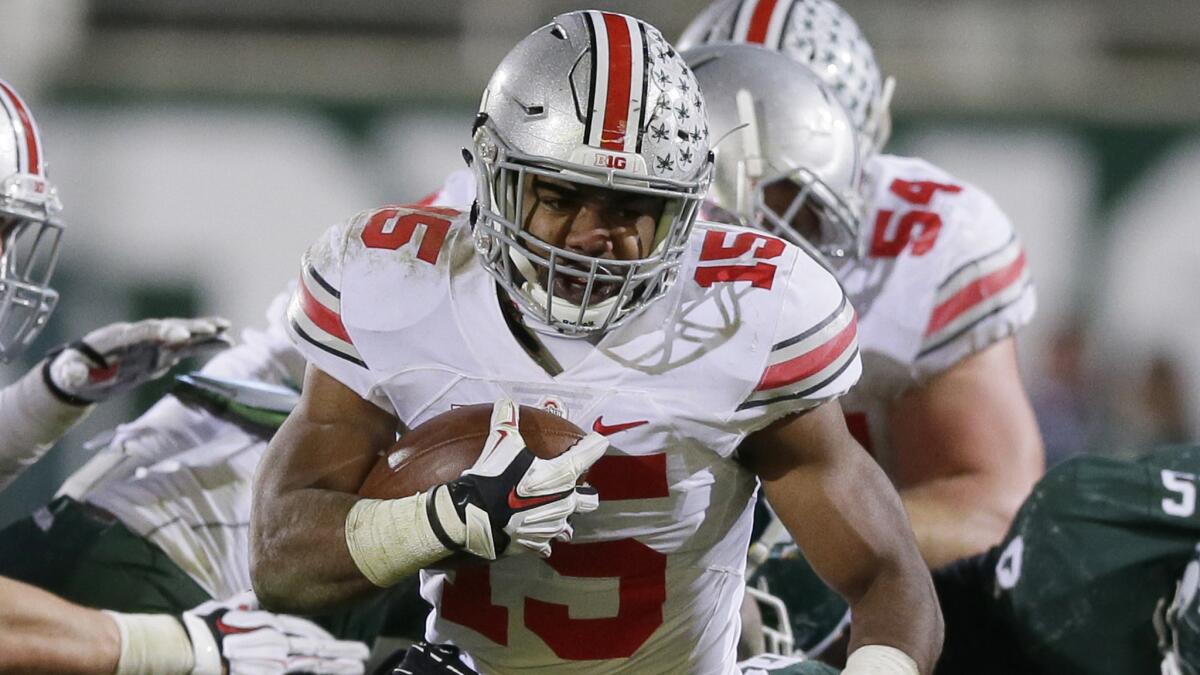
x,y
1090,554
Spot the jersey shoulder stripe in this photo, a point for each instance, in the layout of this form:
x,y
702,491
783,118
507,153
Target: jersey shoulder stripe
x,y
315,316
801,365
976,290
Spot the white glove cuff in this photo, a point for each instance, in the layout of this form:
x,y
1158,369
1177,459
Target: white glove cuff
x,y
880,660
205,651
153,643
390,539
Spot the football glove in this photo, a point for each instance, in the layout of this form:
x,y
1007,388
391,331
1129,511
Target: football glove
x,y
509,496
236,635
119,357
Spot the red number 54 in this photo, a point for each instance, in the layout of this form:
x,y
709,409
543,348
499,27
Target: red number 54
x,y
919,227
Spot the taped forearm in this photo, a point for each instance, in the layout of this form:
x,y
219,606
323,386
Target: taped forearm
x,y
390,539
153,643
879,660
31,419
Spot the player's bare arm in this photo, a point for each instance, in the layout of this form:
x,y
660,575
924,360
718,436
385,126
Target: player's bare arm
x,y
844,514
968,453
366,544
306,485
41,633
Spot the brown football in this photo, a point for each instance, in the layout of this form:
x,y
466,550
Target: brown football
x,y
440,449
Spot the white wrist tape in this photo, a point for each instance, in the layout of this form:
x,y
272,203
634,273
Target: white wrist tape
x,y
880,660
152,643
390,539
32,420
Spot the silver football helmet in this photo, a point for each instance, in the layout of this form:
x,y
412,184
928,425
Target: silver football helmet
x,y
30,228
819,34
595,99
777,122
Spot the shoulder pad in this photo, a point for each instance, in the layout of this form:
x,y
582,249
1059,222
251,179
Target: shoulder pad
x,y
381,270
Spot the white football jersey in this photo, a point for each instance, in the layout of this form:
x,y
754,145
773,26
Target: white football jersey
x,y
944,277
395,305
181,476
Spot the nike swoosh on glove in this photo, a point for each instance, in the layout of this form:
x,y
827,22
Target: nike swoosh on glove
x,y
509,496
237,635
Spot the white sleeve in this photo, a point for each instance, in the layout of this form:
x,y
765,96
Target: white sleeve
x,y
985,295
458,191
814,355
266,354
31,420
314,314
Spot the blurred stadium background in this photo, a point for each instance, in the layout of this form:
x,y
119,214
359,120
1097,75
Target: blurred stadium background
x,y
199,148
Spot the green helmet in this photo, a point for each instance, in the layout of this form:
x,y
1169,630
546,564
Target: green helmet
x,y
800,613
1178,624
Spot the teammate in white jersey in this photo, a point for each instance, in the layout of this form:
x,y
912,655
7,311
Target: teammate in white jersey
x,y
932,265
38,631
699,358
39,408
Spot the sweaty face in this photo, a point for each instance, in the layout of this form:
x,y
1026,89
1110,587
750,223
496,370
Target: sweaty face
x,y
590,221
780,195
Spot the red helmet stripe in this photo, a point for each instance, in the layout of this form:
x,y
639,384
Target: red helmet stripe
x,y
620,74
619,77
760,21
32,155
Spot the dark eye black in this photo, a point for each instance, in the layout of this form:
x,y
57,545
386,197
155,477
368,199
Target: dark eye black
x,y
556,203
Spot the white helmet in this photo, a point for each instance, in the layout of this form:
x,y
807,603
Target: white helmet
x,y
597,99
782,124
30,228
817,33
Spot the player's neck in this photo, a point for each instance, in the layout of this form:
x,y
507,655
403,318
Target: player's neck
x,y
553,354
528,340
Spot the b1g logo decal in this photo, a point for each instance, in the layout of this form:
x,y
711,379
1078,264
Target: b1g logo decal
x,y
611,162
919,227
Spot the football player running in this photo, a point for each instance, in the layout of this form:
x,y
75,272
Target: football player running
x,y
712,357
932,265
38,631
38,409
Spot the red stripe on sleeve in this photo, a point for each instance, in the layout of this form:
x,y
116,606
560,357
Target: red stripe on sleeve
x,y
974,293
429,199
811,362
760,21
31,141
324,318
620,74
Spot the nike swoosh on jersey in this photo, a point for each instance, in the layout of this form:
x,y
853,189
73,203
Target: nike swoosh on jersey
x,y
609,429
516,502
